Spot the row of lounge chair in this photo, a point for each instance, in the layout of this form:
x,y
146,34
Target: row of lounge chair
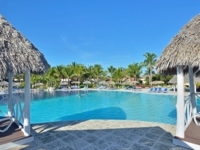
x,y
158,90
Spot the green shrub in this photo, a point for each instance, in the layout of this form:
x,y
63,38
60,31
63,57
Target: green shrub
x,y
22,85
82,86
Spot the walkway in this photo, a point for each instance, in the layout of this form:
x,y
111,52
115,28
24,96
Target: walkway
x,y
102,135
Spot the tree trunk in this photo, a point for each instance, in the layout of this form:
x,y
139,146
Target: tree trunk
x,y
150,77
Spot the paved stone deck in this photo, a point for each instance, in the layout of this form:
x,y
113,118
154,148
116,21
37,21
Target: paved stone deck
x,y
102,135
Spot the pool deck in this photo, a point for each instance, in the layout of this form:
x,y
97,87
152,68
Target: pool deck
x,y
102,135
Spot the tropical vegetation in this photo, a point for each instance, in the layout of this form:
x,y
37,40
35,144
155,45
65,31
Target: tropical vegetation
x,y
96,73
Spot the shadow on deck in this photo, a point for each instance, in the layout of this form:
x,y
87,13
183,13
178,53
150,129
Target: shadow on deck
x,y
192,136
13,136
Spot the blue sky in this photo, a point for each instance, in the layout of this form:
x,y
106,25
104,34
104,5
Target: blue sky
x,y
102,32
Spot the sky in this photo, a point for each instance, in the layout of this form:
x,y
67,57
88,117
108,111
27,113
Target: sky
x,y
106,32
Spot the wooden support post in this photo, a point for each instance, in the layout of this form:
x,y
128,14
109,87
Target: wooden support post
x,y
10,90
192,90
180,103
27,104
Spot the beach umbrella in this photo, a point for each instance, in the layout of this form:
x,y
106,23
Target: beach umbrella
x,y
127,83
63,83
86,82
157,82
76,82
103,82
111,82
3,83
130,82
135,82
16,83
38,84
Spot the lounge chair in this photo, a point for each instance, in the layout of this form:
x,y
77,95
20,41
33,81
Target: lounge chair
x,y
197,119
3,119
138,88
159,90
165,90
154,90
151,90
130,88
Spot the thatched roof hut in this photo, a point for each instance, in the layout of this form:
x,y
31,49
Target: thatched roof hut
x,y
17,53
183,50
186,79
180,57
157,82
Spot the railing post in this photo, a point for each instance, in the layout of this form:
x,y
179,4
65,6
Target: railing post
x,y
192,90
10,89
27,104
180,103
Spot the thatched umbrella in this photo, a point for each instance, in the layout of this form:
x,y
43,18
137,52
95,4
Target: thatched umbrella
x,y
3,83
76,82
103,82
17,83
19,55
181,56
63,83
186,79
130,82
135,82
127,83
38,84
111,82
183,50
86,82
157,82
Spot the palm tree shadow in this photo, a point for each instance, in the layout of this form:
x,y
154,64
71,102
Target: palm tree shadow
x,y
113,113
103,113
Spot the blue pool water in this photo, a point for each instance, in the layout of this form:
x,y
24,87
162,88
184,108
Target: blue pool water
x,y
66,105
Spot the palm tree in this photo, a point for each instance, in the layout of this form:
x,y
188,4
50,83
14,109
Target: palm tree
x,y
118,74
52,76
147,72
60,72
68,73
79,71
98,71
73,66
134,70
150,62
90,72
111,71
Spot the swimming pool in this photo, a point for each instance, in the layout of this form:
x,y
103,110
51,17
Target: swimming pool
x,y
67,105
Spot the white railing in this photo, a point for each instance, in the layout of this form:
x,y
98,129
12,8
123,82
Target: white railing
x,y
18,110
188,111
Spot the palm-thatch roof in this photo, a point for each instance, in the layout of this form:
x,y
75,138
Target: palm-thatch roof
x,y
110,82
17,53
64,83
183,50
3,83
186,79
157,82
86,82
